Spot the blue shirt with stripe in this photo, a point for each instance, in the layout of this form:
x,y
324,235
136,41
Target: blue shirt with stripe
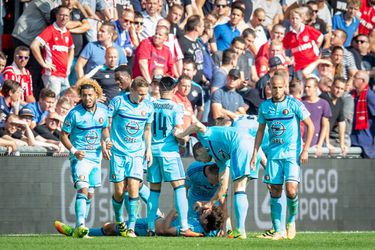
x,y
167,115
197,181
128,124
85,127
283,121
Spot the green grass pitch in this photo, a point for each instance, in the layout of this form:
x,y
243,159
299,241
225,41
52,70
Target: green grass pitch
x,y
326,240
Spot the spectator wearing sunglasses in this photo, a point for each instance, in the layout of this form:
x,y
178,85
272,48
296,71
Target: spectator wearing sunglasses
x,y
17,72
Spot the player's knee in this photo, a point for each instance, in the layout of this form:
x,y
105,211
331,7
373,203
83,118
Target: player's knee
x,y
82,187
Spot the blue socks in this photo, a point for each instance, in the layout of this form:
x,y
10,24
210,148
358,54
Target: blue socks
x,y
241,206
292,208
88,204
144,193
181,204
118,208
276,208
152,206
80,209
132,213
283,211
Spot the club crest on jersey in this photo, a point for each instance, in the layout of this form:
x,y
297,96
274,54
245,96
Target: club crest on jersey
x,y
67,123
132,127
277,128
114,176
267,177
305,38
92,137
101,120
66,39
143,113
285,111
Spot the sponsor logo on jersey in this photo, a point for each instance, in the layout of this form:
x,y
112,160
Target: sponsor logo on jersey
x,y
132,127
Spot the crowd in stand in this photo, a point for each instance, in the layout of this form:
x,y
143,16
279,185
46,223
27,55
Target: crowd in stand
x,y
222,53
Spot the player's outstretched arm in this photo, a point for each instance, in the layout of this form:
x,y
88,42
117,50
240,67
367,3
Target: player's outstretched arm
x,y
196,127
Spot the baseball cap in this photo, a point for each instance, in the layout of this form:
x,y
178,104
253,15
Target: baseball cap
x,y
275,61
26,112
235,73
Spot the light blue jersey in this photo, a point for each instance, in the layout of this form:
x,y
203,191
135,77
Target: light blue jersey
x,y
250,123
197,181
283,121
229,147
85,128
128,124
195,225
167,115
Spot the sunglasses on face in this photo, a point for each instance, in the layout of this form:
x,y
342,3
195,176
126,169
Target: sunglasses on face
x,y
261,20
23,57
360,41
221,5
138,23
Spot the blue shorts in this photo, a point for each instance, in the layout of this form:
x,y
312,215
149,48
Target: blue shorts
x,y
240,160
282,170
125,166
165,169
87,171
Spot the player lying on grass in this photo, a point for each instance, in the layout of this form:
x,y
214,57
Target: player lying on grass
x,y
208,223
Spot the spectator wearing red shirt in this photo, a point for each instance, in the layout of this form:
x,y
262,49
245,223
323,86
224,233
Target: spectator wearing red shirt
x,y
17,72
367,18
152,53
181,97
304,41
58,48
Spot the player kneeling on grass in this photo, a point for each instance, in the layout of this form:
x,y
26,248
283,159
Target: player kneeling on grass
x,y
83,133
208,223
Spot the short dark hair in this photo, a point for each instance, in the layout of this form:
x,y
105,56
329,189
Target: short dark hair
x,y
46,93
339,79
192,22
238,39
183,77
139,82
188,60
228,56
215,219
9,85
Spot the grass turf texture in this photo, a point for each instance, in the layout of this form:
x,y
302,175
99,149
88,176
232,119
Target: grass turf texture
x,y
329,240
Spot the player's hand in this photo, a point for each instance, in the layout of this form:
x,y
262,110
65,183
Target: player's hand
x,y
253,163
148,157
304,157
106,153
80,154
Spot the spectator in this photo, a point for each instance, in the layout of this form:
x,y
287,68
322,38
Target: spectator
x,y
194,29
320,113
336,136
9,99
318,23
151,17
324,13
34,19
273,11
3,62
51,129
174,48
337,58
18,72
174,17
225,33
105,75
323,66
229,61
221,11
123,78
275,49
12,132
304,42
41,108
189,69
125,31
94,52
363,130
367,21
155,93
151,53
277,33
72,95
339,38
226,102
58,47
63,106
249,36
181,97
348,21
138,27
256,23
